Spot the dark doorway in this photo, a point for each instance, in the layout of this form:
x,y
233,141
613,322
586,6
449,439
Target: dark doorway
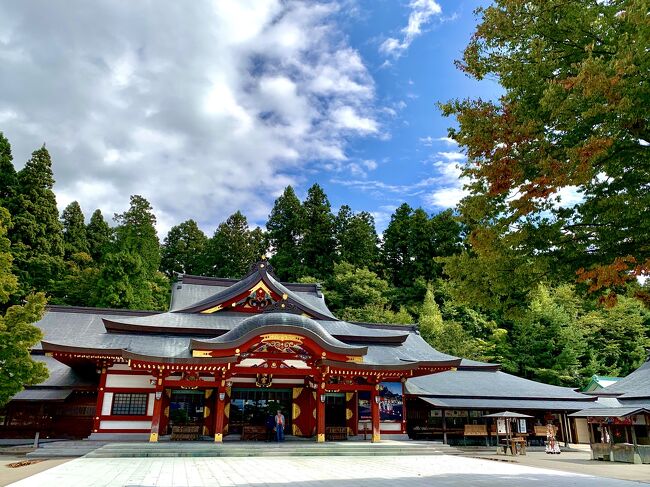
x,y
252,407
335,409
186,407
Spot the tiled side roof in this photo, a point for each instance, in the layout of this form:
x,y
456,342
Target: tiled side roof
x,y
637,384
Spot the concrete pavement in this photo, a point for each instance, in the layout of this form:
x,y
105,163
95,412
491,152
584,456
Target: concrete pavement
x,y
411,471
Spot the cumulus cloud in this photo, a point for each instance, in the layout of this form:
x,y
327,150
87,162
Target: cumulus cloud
x,y
203,108
421,13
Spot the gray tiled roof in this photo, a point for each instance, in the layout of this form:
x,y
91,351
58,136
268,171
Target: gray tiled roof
x,y
635,385
487,384
225,321
502,404
620,412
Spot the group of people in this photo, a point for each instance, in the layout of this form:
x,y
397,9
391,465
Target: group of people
x,y
275,427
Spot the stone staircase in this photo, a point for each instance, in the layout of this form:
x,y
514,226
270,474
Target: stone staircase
x,y
244,449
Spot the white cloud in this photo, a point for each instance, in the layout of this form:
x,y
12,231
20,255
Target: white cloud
x,y
203,108
429,141
422,12
452,156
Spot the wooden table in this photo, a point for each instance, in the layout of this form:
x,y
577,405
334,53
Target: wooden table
x,y
517,446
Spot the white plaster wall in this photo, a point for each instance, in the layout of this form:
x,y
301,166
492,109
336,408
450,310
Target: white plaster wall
x,y
391,427
120,380
106,405
125,425
119,367
152,398
582,430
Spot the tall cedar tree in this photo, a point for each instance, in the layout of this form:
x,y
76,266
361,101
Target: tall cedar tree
x,y
129,277
17,333
184,250
356,238
98,234
8,177
574,118
74,230
285,229
234,247
318,247
412,243
37,235
136,233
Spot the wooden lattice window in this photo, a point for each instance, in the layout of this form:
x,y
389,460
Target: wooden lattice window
x,y
128,404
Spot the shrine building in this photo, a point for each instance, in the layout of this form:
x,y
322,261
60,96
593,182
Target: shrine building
x,y
230,353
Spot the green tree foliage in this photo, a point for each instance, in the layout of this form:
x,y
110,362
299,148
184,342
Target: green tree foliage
x,y
413,242
234,247
184,250
574,117
448,336
37,235
285,228
358,294
17,333
8,177
318,245
99,235
129,276
357,242
74,230
616,338
547,340
136,233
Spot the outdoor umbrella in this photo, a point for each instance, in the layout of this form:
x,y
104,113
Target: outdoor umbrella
x,y
508,416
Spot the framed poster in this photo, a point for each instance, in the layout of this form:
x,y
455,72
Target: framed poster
x,y
522,425
501,426
391,402
364,405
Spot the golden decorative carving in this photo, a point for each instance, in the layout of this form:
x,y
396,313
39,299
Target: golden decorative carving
x,y
348,414
208,393
218,437
166,412
354,358
376,437
349,396
350,432
206,411
295,430
206,432
153,437
212,310
260,285
282,337
296,392
321,438
226,410
295,411
201,353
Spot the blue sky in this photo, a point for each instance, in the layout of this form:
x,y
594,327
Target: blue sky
x,y
206,108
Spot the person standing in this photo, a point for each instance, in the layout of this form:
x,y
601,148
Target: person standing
x,y
279,426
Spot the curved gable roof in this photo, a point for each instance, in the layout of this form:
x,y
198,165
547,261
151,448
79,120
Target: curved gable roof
x,y
278,323
262,272
635,385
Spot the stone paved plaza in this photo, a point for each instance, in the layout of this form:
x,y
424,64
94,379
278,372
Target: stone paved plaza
x,y
374,471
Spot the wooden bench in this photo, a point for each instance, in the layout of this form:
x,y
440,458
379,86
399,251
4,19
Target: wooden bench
x,y
185,433
336,433
475,430
255,433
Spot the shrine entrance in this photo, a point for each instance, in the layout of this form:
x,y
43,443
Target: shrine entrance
x,y
186,412
250,408
335,410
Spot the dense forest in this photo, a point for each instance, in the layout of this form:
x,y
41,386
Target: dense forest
x,y
553,292
553,330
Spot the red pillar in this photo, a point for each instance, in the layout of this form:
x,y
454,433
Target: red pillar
x,y
100,398
320,414
219,413
374,414
157,409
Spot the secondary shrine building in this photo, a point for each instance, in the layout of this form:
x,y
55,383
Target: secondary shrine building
x,y
230,353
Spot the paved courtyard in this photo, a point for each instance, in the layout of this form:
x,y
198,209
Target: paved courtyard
x,y
375,471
